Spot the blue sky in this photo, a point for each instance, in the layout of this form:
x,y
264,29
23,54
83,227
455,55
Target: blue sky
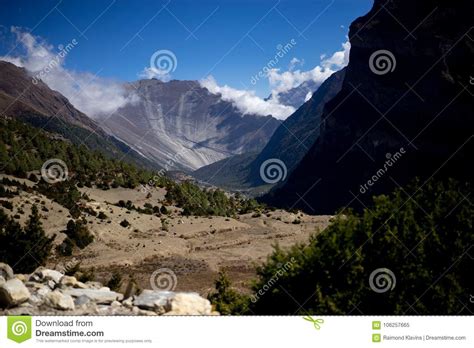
x,y
230,40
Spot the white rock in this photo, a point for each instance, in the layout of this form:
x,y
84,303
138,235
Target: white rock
x,y
13,292
116,304
80,285
93,285
51,284
49,274
155,300
189,304
128,303
96,295
58,300
6,271
68,281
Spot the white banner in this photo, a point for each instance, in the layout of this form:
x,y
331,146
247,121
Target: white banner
x,y
315,331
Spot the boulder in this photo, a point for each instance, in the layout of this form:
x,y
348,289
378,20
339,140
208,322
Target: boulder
x,y
82,300
58,300
96,295
6,271
189,304
68,281
12,293
155,300
46,275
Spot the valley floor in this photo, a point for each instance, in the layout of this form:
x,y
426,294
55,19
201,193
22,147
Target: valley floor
x,y
194,248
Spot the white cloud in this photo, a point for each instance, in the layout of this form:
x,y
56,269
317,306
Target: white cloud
x,y
284,81
152,72
88,93
294,62
249,103
246,101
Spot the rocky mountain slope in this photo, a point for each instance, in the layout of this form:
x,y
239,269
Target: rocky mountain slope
x,y
406,108
183,126
37,104
289,143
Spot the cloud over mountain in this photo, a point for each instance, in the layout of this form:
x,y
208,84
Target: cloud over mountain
x,y
87,92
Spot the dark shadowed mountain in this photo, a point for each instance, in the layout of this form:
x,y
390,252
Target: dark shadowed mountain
x,y
406,108
293,139
289,143
45,108
231,173
183,126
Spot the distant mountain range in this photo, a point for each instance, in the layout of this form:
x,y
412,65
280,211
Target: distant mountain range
x,y
37,104
406,108
289,144
183,126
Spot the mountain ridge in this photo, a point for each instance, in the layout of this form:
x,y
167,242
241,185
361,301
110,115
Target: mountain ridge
x,y
419,101
183,123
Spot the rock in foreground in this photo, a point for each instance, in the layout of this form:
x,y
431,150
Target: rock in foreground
x,y
49,292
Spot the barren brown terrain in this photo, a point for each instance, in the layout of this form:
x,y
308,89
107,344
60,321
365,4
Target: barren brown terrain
x,y
194,248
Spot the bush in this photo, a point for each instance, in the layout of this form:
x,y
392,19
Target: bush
x,y
24,248
66,247
421,234
124,223
225,299
163,210
115,282
102,215
7,205
78,232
